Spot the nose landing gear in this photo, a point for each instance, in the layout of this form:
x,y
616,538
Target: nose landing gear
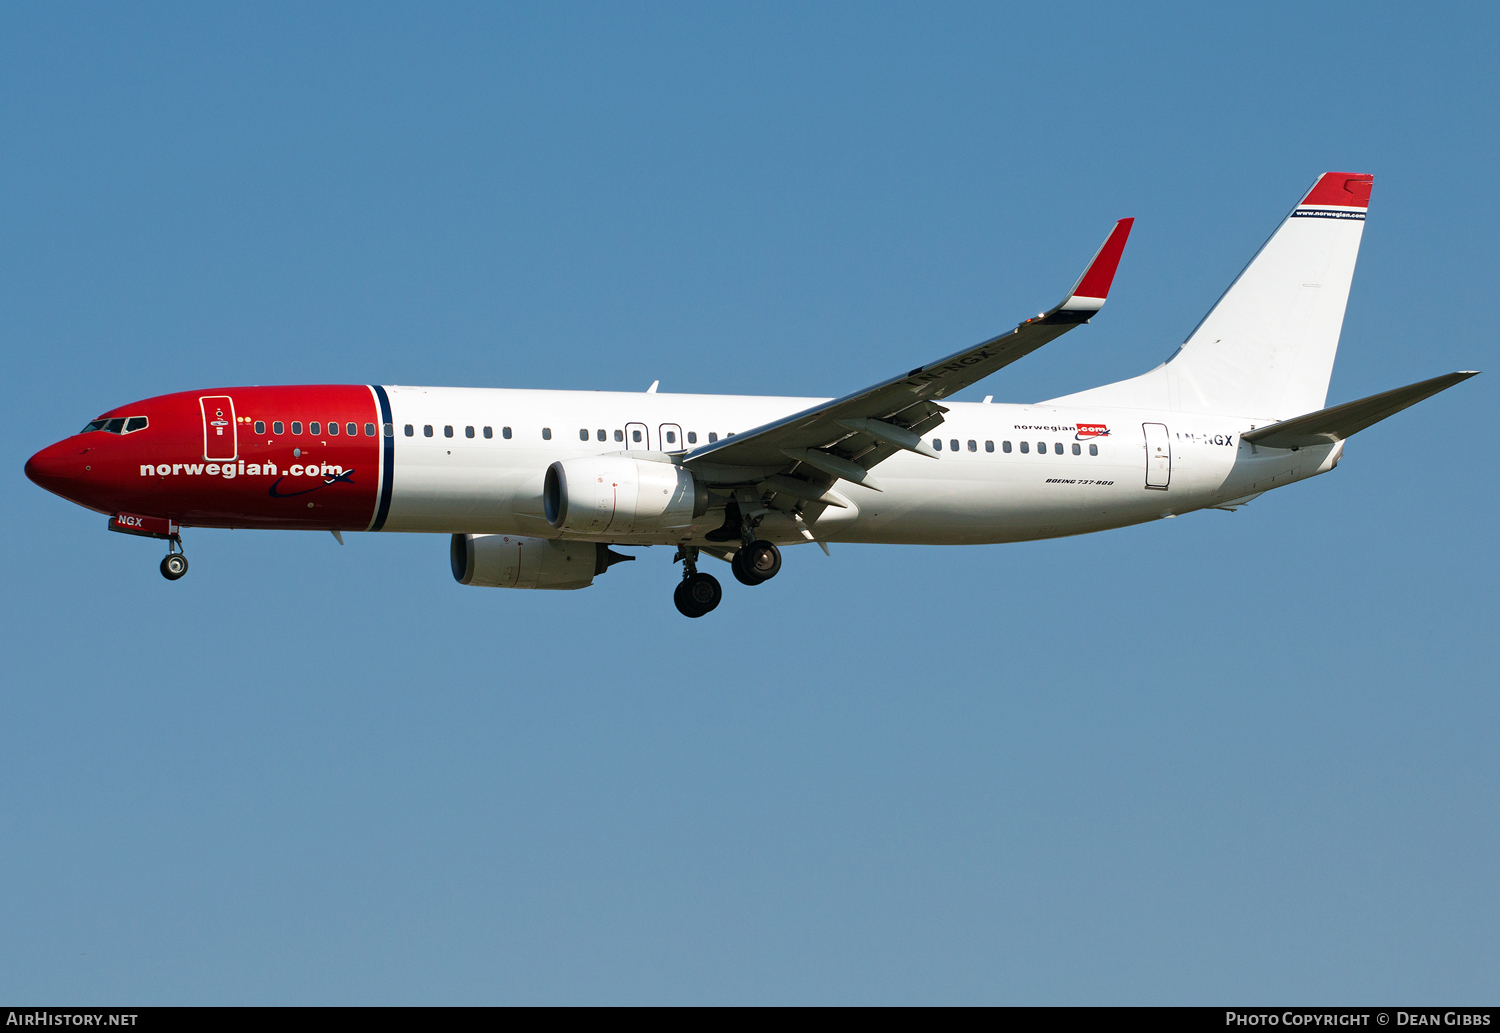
x,y
175,563
173,566
697,594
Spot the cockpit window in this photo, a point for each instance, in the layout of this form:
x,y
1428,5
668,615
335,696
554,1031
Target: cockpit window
x,y
117,425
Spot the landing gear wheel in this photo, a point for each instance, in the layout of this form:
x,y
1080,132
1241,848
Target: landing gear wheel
x,y
697,595
756,563
740,574
173,566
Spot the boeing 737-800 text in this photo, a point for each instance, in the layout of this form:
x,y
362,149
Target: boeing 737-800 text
x,y
535,486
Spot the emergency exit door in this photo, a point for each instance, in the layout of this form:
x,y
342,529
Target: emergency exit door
x,y
220,440
1158,456
669,436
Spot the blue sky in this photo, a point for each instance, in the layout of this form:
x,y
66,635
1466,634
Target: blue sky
x,y
1238,757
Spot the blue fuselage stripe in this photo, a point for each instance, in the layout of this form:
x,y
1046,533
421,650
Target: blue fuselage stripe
x,y
388,467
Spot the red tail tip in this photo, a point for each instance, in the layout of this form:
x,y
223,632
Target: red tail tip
x,y
1345,189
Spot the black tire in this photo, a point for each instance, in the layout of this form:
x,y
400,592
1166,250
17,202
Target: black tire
x,y
173,566
698,595
761,560
740,574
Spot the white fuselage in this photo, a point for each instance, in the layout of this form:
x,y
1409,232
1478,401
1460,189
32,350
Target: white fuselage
x,y
1102,467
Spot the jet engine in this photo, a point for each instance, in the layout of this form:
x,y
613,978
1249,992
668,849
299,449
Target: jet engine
x,y
618,495
511,561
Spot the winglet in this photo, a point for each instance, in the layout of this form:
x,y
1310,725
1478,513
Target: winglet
x,y
1088,294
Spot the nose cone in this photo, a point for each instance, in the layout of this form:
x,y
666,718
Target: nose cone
x,y
59,468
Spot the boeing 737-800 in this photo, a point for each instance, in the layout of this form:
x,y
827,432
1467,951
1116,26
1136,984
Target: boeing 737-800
x,y
535,486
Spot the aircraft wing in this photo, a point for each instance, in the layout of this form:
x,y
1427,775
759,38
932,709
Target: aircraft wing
x,y
1341,421
849,435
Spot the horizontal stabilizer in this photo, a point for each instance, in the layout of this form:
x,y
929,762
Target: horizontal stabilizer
x,y
1341,421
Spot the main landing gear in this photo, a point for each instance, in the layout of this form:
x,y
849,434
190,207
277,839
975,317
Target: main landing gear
x,y
697,593
756,563
175,563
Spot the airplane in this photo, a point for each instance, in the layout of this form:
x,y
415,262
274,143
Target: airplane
x,y
535,487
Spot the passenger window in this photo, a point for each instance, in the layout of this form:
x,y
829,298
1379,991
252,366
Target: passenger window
x,y
468,432
1093,450
489,432
1025,447
603,435
390,430
427,430
671,437
315,428
989,446
369,430
973,447
505,433
546,433
136,423
635,436
937,443
712,437
619,435
296,426
1041,448
333,430
953,444
1057,447
583,435
1077,449
692,437
410,430
278,427
447,430
352,429
1005,446
260,426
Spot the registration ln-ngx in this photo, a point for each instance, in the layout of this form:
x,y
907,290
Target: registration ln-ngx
x,y
536,486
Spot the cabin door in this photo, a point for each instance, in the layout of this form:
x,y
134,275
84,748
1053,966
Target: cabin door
x,y
220,440
1158,456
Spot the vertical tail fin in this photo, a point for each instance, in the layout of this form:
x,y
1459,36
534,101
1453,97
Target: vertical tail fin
x,y
1267,346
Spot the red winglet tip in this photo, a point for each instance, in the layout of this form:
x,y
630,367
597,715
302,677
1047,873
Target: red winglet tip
x,y
1344,189
1096,280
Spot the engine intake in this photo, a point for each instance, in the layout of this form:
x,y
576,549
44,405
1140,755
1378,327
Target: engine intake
x,y
617,495
512,561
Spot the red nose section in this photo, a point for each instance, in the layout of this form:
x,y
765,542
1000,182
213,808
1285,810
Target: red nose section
x,y
62,469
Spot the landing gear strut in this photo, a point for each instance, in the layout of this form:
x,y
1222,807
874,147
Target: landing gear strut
x,y
697,593
175,563
756,563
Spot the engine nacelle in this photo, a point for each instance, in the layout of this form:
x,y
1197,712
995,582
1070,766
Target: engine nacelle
x,y
511,561
617,495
